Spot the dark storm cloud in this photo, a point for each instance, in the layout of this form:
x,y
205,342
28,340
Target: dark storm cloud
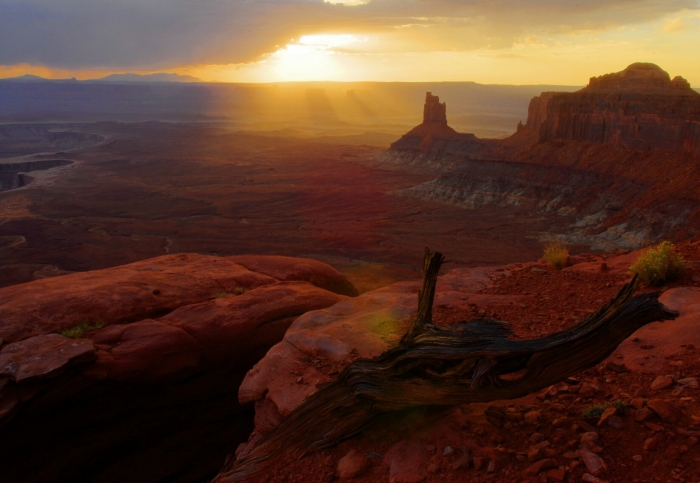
x,y
161,33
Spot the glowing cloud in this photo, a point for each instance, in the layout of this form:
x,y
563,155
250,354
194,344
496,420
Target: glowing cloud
x,y
351,3
328,41
673,25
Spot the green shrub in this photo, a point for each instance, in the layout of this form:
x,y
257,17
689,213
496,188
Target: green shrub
x,y
556,255
659,265
597,411
78,331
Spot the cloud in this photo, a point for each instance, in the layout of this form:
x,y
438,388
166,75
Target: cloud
x,y
674,25
153,34
347,2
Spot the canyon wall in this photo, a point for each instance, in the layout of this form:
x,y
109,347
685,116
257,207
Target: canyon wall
x,y
617,159
12,177
640,108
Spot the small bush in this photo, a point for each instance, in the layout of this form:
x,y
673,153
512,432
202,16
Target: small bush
x,y
556,255
78,331
659,265
597,411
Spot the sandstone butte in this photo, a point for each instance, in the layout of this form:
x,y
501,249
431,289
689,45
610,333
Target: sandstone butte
x,y
620,157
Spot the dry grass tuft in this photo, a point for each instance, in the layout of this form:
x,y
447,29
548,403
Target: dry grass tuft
x,y
659,265
557,255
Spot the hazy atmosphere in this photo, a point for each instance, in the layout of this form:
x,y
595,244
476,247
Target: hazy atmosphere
x,y
349,241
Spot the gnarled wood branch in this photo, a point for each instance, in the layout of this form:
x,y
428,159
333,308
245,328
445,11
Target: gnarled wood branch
x,y
443,366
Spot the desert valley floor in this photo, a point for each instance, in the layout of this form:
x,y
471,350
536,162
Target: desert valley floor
x,y
150,189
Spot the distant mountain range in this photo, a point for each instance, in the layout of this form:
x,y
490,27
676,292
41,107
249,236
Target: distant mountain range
x,y
113,78
159,77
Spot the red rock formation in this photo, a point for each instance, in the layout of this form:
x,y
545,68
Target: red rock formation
x,y
526,439
618,157
159,380
433,131
433,111
640,108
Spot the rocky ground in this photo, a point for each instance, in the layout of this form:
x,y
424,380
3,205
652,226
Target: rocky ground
x,y
633,418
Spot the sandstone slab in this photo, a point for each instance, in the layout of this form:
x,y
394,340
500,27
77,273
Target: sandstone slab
x,y
146,351
147,289
126,293
299,269
43,356
251,322
666,337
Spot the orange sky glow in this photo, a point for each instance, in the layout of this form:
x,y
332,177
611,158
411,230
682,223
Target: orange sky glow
x,y
439,48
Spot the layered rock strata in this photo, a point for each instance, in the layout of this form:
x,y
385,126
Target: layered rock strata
x,y
640,108
616,159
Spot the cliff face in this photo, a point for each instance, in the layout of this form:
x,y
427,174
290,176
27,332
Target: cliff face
x,y
618,158
640,108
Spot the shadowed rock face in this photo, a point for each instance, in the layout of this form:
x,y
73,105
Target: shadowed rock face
x,y
151,396
640,108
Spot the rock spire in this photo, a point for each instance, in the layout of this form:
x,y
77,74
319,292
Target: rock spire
x,y
434,111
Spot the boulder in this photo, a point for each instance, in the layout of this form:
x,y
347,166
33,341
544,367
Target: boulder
x,y
595,464
407,462
665,410
352,465
662,382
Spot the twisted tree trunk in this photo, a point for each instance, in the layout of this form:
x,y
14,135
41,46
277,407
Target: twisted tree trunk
x,y
443,366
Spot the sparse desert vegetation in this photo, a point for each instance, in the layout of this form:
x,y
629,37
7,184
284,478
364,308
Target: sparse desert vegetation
x,y
557,255
78,331
659,265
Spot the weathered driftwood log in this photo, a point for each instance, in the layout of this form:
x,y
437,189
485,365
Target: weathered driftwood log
x,y
443,366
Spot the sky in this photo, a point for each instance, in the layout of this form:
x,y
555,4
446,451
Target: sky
x,y
561,42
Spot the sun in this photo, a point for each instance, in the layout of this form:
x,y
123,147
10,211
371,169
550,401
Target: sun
x,y
312,57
